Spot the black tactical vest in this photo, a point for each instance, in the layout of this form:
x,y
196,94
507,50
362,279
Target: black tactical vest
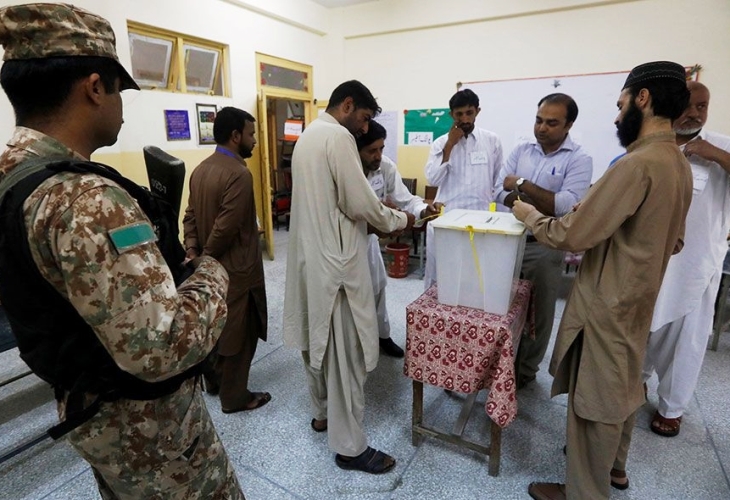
x,y
53,339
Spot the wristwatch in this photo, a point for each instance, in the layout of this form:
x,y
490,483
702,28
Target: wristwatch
x,y
519,183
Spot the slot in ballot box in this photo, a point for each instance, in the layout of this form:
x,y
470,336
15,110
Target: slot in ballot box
x,y
478,258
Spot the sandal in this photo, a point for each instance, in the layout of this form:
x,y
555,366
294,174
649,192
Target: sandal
x,y
667,427
619,474
261,399
319,429
371,461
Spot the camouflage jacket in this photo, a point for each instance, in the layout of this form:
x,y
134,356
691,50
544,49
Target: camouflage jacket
x,y
152,330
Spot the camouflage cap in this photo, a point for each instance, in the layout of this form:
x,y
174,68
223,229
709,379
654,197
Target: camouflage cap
x,y
40,30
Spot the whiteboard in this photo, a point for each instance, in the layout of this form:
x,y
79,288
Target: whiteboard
x,y
389,121
509,107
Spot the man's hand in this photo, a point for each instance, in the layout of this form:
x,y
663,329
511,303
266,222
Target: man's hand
x,y
455,135
703,149
510,183
411,219
190,255
431,210
521,210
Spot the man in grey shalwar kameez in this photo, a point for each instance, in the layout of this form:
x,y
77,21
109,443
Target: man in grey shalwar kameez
x,y
329,311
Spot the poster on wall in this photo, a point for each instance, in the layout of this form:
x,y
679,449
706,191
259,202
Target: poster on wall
x,y
206,116
423,126
177,125
293,129
389,121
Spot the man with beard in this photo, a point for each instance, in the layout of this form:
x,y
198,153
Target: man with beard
x,y
329,312
464,164
220,221
383,176
553,173
629,224
685,306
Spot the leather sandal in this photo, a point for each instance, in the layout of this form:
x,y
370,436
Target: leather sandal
x,y
619,474
667,427
371,461
322,423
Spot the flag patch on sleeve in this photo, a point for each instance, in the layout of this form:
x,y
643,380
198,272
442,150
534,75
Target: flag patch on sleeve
x,y
131,236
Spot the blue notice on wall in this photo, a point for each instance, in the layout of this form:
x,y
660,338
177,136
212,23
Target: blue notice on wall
x,y
177,125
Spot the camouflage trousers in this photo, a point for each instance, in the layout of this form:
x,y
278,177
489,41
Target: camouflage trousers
x,y
166,449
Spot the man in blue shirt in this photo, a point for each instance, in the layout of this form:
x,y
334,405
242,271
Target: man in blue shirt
x,y
552,173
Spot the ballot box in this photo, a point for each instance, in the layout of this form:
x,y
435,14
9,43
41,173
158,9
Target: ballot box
x,y
478,258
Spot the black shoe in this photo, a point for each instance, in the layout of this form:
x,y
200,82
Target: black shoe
x,y
391,348
524,380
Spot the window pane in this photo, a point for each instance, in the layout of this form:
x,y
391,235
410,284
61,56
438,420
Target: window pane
x,y
201,68
150,60
285,78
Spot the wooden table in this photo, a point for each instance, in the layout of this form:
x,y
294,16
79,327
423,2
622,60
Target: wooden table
x,y
464,350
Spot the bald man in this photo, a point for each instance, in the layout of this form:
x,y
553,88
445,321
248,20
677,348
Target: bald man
x,y
684,310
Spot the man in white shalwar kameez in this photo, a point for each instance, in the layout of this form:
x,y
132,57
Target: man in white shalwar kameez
x,y
387,183
329,311
684,310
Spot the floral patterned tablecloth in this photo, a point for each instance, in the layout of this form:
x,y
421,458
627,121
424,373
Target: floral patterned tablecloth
x,y
465,349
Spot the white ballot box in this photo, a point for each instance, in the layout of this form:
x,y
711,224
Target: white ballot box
x,y
478,258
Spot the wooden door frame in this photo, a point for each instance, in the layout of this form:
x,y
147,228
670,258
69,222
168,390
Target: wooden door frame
x,y
266,92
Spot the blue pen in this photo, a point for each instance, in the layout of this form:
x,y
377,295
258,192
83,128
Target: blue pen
x,y
553,170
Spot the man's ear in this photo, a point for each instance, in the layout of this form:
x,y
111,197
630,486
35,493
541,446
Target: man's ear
x,y
643,99
236,136
93,87
348,105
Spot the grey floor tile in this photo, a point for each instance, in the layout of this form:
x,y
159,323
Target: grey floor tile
x,y
278,456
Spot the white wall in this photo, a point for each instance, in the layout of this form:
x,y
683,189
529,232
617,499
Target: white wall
x,y
419,67
245,31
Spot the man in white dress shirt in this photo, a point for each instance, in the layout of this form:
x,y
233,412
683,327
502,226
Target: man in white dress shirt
x,y
684,310
553,173
464,165
383,176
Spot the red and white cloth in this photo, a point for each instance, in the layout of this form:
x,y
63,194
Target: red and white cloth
x,y
465,349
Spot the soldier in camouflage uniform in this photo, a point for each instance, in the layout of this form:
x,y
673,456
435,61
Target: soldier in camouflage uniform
x,y
165,448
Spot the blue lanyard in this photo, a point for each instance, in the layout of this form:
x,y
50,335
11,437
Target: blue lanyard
x,y
224,151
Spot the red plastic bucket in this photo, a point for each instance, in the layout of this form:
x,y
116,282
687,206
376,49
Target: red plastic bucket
x,y
397,259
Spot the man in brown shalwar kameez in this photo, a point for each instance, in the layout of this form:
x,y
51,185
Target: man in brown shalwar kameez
x,y
629,224
220,221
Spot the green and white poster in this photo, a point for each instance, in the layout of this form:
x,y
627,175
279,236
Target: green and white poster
x,y
423,126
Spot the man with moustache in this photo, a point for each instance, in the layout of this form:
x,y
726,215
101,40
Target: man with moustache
x,y
464,164
685,306
553,173
629,224
220,221
386,182
329,311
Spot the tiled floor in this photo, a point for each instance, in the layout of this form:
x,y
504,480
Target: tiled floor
x,y
278,456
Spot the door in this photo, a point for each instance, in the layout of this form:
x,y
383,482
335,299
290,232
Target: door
x,y
265,152
271,139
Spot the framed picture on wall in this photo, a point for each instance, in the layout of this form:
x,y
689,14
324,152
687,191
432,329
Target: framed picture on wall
x,y
206,116
177,125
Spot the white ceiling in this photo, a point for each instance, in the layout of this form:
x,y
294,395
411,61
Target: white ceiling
x,y
339,3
